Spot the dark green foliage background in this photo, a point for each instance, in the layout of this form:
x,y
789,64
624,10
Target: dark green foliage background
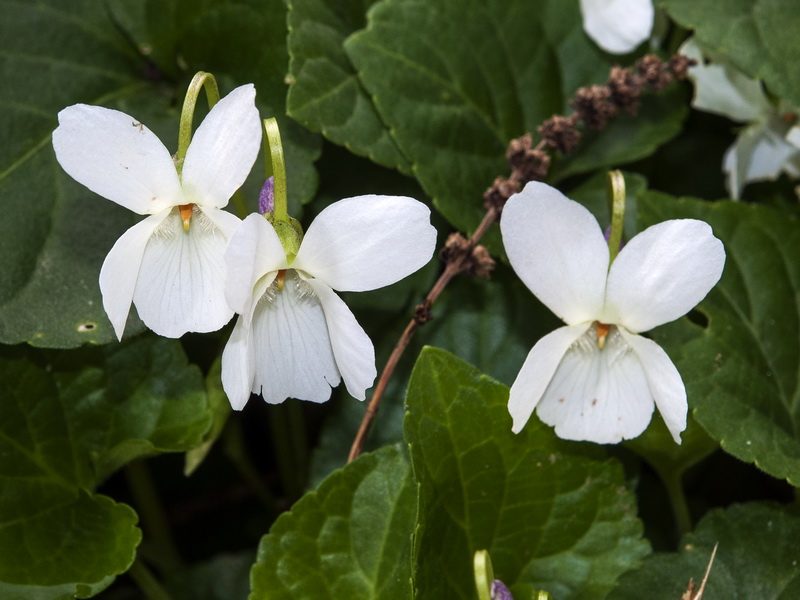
x,y
115,455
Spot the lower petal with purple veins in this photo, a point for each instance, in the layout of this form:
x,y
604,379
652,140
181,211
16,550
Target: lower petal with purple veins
x,y
598,394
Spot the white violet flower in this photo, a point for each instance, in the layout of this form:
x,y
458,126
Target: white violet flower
x,y
295,337
170,265
618,26
768,144
596,379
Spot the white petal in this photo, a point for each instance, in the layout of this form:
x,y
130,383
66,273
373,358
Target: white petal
x,y
223,149
662,273
723,90
116,157
181,284
618,26
352,348
293,354
793,136
120,270
238,365
760,152
367,242
253,251
558,250
666,385
537,371
597,395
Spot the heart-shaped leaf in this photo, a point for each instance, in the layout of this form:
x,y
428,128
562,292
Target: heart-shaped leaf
x,y
351,538
325,93
68,420
552,514
741,369
756,558
453,82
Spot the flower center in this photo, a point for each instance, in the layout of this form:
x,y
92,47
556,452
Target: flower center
x,y
602,330
288,280
186,215
603,339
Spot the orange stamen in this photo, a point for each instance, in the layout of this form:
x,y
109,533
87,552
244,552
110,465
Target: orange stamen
x,y
186,215
602,333
281,278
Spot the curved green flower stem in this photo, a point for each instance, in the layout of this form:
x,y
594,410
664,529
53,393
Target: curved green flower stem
x,y
199,81
677,499
147,582
276,167
616,198
154,521
291,448
484,576
234,449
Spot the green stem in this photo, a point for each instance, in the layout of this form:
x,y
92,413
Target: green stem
x,y
235,451
147,582
484,576
276,167
288,437
154,520
199,81
616,198
677,498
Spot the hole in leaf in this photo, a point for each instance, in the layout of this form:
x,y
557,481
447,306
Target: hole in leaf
x,y
698,318
84,327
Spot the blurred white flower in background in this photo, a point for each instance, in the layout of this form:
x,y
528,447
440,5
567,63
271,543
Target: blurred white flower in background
x,y
618,26
768,143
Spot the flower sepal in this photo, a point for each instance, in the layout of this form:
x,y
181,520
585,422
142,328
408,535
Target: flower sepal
x,y
290,233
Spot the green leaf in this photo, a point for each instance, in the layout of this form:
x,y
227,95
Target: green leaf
x,y
741,369
67,421
758,36
54,55
131,401
73,546
628,137
455,81
756,558
326,94
351,538
552,514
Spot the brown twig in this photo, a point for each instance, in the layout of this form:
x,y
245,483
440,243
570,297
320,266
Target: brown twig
x,y
593,106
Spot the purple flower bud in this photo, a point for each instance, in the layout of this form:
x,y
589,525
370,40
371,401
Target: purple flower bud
x,y
266,199
500,591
